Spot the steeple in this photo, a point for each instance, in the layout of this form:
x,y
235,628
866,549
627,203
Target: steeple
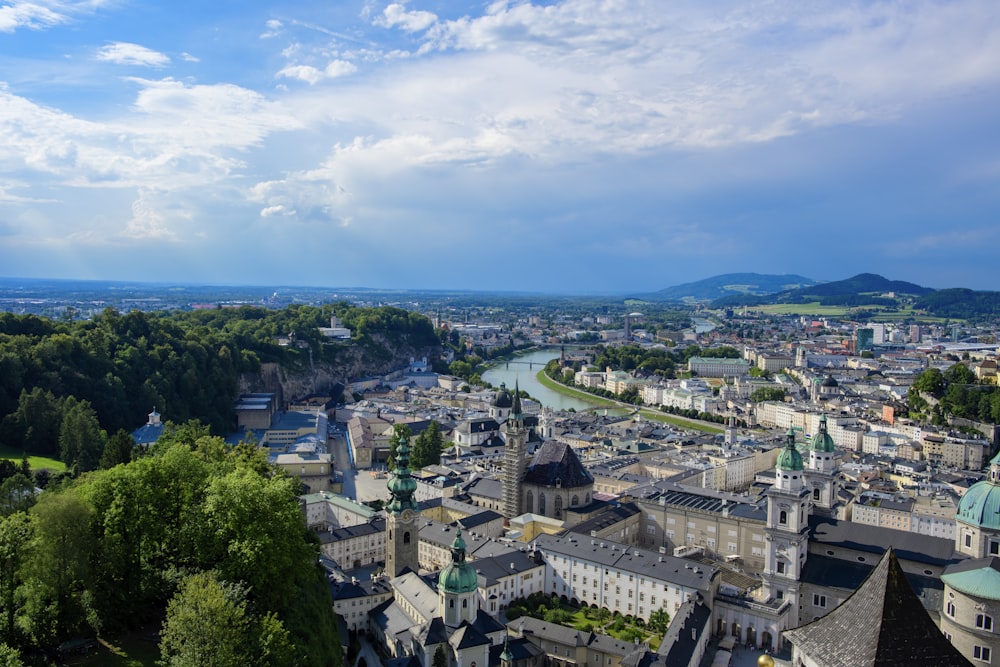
x,y
458,586
515,437
402,533
402,486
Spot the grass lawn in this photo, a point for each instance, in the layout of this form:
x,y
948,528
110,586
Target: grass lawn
x,y
128,651
813,308
36,462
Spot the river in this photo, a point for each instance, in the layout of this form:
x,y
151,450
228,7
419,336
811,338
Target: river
x,y
519,371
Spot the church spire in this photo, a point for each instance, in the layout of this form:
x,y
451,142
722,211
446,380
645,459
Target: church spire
x,y
402,486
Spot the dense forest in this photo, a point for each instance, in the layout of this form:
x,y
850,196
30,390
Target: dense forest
x,y
199,540
63,385
956,392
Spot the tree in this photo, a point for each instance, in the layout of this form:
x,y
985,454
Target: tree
x,y
17,494
81,440
17,540
767,394
399,431
931,381
9,656
118,449
58,570
207,624
427,447
659,620
440,659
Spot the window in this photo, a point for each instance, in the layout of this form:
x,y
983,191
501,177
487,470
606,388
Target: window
x,y
815,494
950,609
651,530
781,567
984,622
406,537
968,540
982,653
994,548
783,517
819,601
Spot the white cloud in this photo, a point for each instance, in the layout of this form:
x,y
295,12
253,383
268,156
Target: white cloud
x,y
29,15
396,14
126,53
147,222
311,75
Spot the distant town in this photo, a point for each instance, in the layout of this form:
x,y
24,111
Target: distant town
x,y
727,484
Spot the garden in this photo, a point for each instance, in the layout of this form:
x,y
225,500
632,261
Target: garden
x,y
589,619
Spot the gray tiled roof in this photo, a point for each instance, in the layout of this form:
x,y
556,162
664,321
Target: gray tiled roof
x,y
882,624
554,461
643,562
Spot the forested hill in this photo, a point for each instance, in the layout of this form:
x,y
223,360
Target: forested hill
x,y
109,372
729,284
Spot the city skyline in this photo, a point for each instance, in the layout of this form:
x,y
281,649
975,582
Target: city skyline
x,y
573,146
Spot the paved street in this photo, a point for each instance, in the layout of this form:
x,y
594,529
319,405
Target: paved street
x,y
358,484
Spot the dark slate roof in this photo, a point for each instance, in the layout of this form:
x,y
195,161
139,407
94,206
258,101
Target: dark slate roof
x,y
882,624
466,637
874,539
433,632
557,461
848,575
520,647
492,569
405,661
609,517
690,623
486,624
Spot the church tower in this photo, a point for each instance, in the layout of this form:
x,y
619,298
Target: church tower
x,y
458,587
787,528
821,470
514,453
401,524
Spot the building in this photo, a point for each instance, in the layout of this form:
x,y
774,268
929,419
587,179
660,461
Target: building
x,y
554,481
403,516
717,367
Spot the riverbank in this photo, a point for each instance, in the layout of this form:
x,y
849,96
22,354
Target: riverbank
x,y
648,413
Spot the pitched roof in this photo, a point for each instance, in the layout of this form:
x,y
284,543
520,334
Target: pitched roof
x,y
557,461
882,624
466,637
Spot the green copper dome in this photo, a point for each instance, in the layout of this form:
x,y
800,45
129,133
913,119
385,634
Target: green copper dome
x,y
789,458
980,506
823,442
458,576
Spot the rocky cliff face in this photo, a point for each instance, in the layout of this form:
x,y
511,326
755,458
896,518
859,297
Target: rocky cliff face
x,y
353,362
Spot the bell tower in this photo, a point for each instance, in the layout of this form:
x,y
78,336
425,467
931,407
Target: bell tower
x,y
786,531
516,437
401,525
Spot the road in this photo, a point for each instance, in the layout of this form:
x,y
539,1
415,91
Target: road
x,y
358,484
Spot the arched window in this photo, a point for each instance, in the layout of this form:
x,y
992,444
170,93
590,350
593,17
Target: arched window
x,y
815,494
451,604
576,501
541,504
783,517
406,537
465,603
558,503
586,498
529,505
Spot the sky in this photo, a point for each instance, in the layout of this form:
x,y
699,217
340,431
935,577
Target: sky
x,y
583,146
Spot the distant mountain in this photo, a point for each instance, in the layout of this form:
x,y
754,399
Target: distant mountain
x,y
860,290
863,283
729,284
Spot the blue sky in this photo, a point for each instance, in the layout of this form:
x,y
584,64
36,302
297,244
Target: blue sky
x,y
576,145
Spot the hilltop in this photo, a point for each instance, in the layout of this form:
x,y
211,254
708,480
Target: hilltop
x,y
729,284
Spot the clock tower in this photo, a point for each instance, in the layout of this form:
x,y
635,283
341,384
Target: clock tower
x,y
402,513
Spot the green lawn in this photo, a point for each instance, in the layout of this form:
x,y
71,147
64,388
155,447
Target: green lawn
x,y
129,651
36,462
